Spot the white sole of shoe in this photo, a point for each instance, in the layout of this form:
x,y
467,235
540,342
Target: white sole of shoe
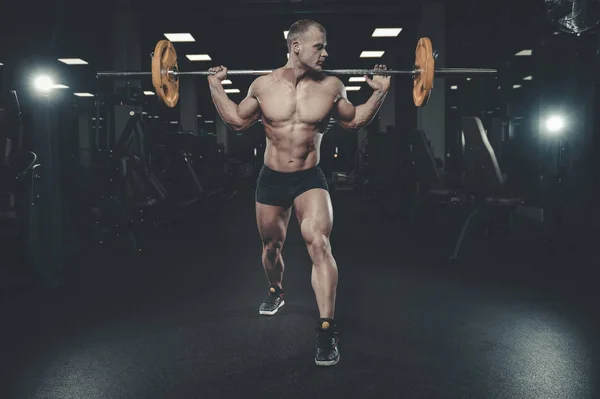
x,y
328,362
271,312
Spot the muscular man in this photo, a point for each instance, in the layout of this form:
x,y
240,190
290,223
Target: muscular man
x,y
295,103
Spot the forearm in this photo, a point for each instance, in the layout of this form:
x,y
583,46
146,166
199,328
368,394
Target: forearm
x,y
367,111
226,108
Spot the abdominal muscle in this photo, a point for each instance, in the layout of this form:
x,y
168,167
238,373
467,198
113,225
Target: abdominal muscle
x,y
292,146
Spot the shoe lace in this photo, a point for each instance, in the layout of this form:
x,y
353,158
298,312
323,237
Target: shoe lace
x,y
326,340
272,298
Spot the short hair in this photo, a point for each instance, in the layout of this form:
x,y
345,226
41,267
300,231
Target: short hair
x,y
299,28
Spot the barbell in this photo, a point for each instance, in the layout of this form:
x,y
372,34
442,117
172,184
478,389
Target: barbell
x,y
165,72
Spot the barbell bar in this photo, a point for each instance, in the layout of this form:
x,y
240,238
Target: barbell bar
x,y
165,72
440,71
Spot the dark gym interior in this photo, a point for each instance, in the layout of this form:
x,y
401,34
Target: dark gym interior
x,y
464,231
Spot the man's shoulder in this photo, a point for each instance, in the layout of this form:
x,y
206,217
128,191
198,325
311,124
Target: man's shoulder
x,y
264,79
333,81
258,83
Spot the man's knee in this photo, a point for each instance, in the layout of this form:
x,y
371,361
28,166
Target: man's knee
x,y
272,248
316,239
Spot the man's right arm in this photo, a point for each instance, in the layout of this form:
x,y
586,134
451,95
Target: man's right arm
x,y
237,117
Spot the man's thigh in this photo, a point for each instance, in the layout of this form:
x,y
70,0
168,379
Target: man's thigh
x,y
314,212
272,222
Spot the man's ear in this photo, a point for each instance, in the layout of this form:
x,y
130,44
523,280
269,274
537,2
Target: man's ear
x,y
296,47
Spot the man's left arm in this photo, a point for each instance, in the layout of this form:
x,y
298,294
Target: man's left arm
x,y
350,117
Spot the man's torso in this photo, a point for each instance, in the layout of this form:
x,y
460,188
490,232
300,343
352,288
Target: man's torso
x,y
294,118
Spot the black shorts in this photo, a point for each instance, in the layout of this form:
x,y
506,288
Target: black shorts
x,y
281,188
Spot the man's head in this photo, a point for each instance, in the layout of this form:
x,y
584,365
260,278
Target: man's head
x,y
307,40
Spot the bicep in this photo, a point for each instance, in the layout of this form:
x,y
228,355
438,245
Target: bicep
x,y
249,108
343,111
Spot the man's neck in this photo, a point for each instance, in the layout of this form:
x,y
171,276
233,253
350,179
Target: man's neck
x,y
298,72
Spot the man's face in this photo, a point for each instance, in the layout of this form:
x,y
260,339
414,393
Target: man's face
x,y
312,52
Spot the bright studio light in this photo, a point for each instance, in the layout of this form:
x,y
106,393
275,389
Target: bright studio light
x,y
555,124
43,83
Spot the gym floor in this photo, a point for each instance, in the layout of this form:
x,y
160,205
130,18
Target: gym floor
x,y
181,320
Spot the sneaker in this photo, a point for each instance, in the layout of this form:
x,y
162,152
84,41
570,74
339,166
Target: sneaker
x,y
327,352
272,302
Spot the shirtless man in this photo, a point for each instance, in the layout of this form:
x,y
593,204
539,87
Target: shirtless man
x,y
295,103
